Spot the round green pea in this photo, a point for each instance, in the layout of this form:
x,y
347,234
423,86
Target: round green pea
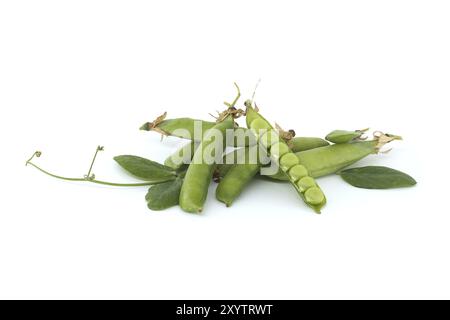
x,y
288,161
297,172
259,126
305,183
279,149
314,196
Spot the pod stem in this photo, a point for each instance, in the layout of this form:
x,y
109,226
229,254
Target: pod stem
x,y
87,178
285,135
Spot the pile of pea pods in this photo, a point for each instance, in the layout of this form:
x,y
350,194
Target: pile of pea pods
x,y
300,160
185,177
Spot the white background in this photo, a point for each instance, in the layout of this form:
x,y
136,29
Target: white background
x,y
75,74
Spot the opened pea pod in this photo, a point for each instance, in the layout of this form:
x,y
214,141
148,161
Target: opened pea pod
x,y
285,159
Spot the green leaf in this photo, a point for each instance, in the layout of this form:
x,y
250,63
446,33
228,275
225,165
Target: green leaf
x,y
164,195
145,169
376,177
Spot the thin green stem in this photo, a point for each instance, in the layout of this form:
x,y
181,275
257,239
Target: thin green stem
x,y
54,175
88,176
36,154
93,180
87,179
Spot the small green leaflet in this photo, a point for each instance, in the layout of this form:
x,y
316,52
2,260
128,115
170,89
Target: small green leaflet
x,y
164,195
377,177
145,169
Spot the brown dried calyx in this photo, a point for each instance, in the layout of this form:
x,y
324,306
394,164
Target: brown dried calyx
x,y
235,113
153,126
383,139
232,110
285,135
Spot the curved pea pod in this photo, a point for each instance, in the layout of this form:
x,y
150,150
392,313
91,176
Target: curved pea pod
x,y
238,177
344,136
186,128
199,174
286,160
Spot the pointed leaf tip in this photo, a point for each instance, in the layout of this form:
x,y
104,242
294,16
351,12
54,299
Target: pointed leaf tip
x,y
377,177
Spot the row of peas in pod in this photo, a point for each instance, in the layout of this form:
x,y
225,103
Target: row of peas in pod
x,y
285,159
184,178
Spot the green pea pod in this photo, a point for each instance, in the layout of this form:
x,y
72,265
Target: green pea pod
x,y
319,162
199,174
298,144
179,127
344,136
331,159
241,173
185,128
287,161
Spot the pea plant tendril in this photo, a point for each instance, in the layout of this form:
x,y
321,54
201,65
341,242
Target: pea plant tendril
x,y
89,177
